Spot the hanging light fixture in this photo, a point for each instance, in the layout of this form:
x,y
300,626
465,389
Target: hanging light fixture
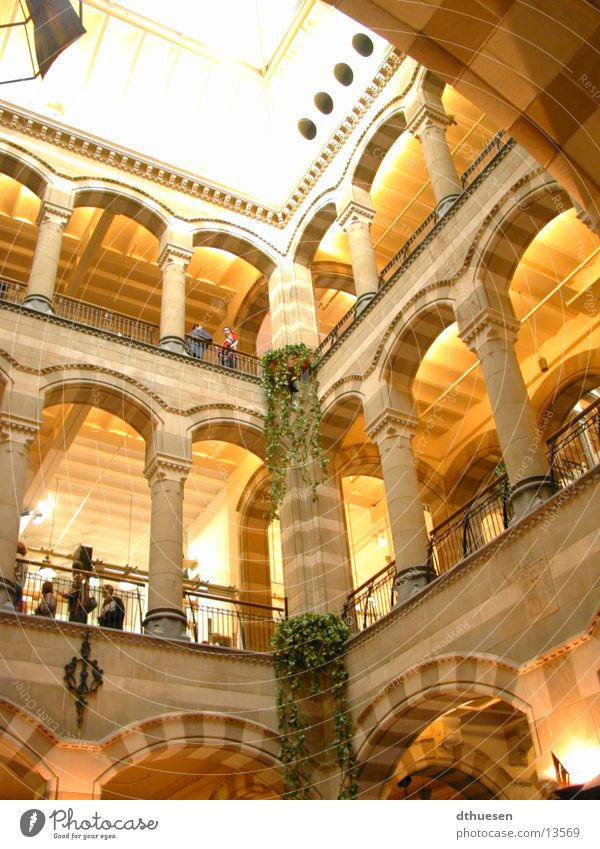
x,y
56,25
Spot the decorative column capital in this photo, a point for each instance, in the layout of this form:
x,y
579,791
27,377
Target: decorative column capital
x,y
166,467
174,255
53,213
427,117
392,424
355,213
19,429
489,324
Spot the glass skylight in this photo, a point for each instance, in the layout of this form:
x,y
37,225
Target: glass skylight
x,y
244,30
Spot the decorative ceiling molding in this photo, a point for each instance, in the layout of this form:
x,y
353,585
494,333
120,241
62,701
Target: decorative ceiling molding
x,y
28,124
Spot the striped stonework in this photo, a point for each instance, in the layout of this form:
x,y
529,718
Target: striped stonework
x,y
408,704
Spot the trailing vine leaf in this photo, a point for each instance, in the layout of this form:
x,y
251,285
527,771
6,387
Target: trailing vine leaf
x,y
309,652
292,433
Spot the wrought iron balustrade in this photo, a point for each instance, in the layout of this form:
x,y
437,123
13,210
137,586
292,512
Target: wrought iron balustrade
x,y
211,619
483,159
575,448
234,624
116,323
12,291
216,355
478,522
372,600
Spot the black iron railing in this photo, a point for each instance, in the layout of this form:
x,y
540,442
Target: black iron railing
x,y
212,619
483,159
372,600
478,522
572,451
11,291
575,448
91,600
216,355
125,327
91,315
234,624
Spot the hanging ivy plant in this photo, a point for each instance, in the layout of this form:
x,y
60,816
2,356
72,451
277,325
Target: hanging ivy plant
x,y
292,422
308,653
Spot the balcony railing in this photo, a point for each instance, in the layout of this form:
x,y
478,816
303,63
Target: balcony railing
x,y
216,355
91,315
372,600
125,327
487,159
211,619
235,624
572,451
575,448
478,522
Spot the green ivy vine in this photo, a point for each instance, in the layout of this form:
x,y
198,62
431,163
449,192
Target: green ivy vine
x,y
292,433
308,653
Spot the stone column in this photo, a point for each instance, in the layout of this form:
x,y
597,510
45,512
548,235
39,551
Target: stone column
x,y
292,306
393,432
173,262
429,126
314,544
16,436
51,221
355,214
166,477
491,335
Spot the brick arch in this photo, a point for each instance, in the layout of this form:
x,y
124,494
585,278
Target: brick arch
x,y
511,229
376,146
252,747
24,170
25,746
404,351
242,428
112,394
315,225
409,703
140,210
245,245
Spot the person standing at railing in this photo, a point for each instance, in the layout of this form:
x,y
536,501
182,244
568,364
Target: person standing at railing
x,y
21,572
228,348
112,614
200,339
78,598
47,603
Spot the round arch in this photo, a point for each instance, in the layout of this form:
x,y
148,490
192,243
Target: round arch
x,y
403,352
514,224
315,225
24,170
145,214
376,145
128,402
229,425
401,710
563,387
253,530
24,747
252,313
248,747
244,245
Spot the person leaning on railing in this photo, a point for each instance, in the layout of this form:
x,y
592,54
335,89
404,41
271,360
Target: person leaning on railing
x,y
78,598
200,338
47,603
228,348
112,614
